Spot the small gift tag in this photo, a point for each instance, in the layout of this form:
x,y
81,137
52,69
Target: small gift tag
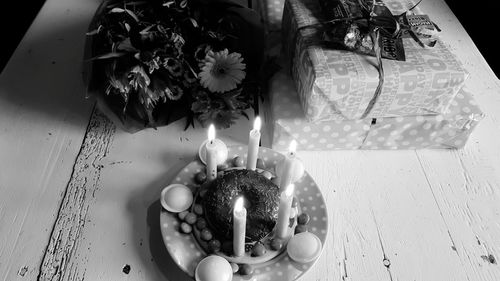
x,y
418,27
419,21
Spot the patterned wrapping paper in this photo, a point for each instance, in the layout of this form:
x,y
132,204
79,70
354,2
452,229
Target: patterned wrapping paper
x,y
287,121
272,13
339,84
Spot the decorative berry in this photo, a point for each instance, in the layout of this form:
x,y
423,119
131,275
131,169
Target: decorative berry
x,y
300,228
213,245
186,228
201,223
246,269
261,164
258,250
238,161
235,267
222,167
200,177
190,218
295,201
198,209
276,244
182,215
303,218
206,234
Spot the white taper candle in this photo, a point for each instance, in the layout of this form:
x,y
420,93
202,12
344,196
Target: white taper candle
x,y
253,145
211,154
239,227
288,166
284,210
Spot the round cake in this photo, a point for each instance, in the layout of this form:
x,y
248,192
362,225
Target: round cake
x,y
261,201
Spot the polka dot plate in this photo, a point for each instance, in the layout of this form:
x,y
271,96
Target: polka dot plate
x,y
186,252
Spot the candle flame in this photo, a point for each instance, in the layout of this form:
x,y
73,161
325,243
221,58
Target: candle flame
x,y
257,123
211,132
238,206
289,190
293,146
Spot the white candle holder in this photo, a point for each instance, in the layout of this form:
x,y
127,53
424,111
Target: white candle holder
x,y
222,151
297,172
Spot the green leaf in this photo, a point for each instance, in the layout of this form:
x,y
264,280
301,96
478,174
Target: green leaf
x,y
120,10
146,30
168,4
126,46
95,31
109,56
132,15
194,22
117,10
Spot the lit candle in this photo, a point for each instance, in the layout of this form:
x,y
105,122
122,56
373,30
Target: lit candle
x,y
211,154
253,145
290,166
284,210
239,227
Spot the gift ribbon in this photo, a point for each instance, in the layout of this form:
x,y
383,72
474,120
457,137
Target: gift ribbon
x,y
387,25
380,68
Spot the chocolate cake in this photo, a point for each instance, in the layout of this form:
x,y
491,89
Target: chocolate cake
x,y
261,201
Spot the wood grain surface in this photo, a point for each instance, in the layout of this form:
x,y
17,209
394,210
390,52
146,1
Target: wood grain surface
x,y
79,198
43,118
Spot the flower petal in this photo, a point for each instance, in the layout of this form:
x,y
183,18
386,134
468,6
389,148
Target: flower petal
x,y
222,71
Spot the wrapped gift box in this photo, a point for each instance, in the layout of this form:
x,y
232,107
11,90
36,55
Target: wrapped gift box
x,y
339,84
271,12
287,121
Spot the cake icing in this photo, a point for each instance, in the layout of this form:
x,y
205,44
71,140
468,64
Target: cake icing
x,y
261,201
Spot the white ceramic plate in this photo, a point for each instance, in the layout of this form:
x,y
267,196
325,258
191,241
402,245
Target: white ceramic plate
x,y
186,252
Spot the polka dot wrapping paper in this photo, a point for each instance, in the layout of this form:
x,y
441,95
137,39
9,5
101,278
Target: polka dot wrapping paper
x,y
340,84
288,121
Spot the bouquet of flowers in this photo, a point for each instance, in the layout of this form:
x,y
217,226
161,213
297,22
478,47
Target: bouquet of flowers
x,y
152,62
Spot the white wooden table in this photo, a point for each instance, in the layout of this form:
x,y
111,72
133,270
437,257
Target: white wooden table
x,y
79,198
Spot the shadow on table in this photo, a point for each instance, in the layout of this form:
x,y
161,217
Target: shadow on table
x,y
159,254
43,80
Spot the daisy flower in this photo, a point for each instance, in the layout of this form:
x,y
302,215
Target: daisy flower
x,y
173,66
222,71
174,92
